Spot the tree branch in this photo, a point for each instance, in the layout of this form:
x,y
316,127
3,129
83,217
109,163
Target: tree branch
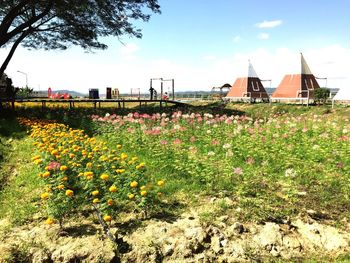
x,y
7,36
13,49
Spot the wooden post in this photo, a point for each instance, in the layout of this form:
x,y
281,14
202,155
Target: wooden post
x,y
119,105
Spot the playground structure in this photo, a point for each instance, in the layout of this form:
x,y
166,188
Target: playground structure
x,y
57,95
163,95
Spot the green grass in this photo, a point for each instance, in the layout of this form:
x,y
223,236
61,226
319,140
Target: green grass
x,y
20,188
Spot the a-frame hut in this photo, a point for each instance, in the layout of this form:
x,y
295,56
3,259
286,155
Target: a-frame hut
x,y
297,86
249,87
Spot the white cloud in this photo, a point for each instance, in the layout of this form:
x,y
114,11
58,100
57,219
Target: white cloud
x,y
129,49
269,24
263,36
209,57
236,39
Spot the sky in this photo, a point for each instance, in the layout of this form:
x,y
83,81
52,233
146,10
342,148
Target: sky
x,y
203,44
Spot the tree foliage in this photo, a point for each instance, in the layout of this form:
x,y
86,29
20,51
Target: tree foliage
x,y
321,95
57,24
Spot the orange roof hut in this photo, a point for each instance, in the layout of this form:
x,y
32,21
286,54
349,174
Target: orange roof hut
x,y
296,86
248,87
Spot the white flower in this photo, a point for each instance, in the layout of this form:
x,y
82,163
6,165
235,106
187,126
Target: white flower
x,y
290,173
107,115
211,153
226,146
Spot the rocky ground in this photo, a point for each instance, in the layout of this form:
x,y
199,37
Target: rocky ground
x,y
182,239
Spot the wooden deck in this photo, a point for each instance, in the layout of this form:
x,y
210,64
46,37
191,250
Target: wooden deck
x,y
96,103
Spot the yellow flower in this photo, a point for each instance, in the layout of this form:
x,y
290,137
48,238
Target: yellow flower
x,y
60,187
71,155
54,152
134,184
123,156
95,201
46,174
141,165
38,161
110,202
63,168
65,178
69,193
89,165
160,183
104,177
94,193
119,146
107,218
113,189
44,195
131,196
49,221
36,157
143,193
119,171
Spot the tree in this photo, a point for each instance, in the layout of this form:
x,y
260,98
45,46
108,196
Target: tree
x,y
321,95
57,24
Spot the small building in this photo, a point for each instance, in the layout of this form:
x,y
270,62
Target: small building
x,y
94,94
297,86
249,87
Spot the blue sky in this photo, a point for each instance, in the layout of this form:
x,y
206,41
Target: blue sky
x,y
204,43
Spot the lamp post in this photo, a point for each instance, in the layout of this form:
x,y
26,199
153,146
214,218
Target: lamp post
x,y
25,75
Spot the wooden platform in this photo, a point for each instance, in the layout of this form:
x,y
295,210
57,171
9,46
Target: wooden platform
x,y
96,103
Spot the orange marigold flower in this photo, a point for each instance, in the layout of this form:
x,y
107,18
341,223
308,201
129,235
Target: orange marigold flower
x,y
60,187
44,195
63,168
113,189
65,178
71,155
50,221
104,177
54,152
110,202
69,193
88,165
134,184
46,174
107,218
94,193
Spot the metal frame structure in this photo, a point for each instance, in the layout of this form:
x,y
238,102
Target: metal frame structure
x,y
161,85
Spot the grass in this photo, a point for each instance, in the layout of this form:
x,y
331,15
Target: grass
x,y
20,184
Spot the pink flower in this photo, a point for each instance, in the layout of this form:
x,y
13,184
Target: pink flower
x,y
54,166
177,141
238,170
163,142
250,160
215,142
193,139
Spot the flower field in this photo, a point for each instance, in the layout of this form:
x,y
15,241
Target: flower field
x,y
272,167
123,174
